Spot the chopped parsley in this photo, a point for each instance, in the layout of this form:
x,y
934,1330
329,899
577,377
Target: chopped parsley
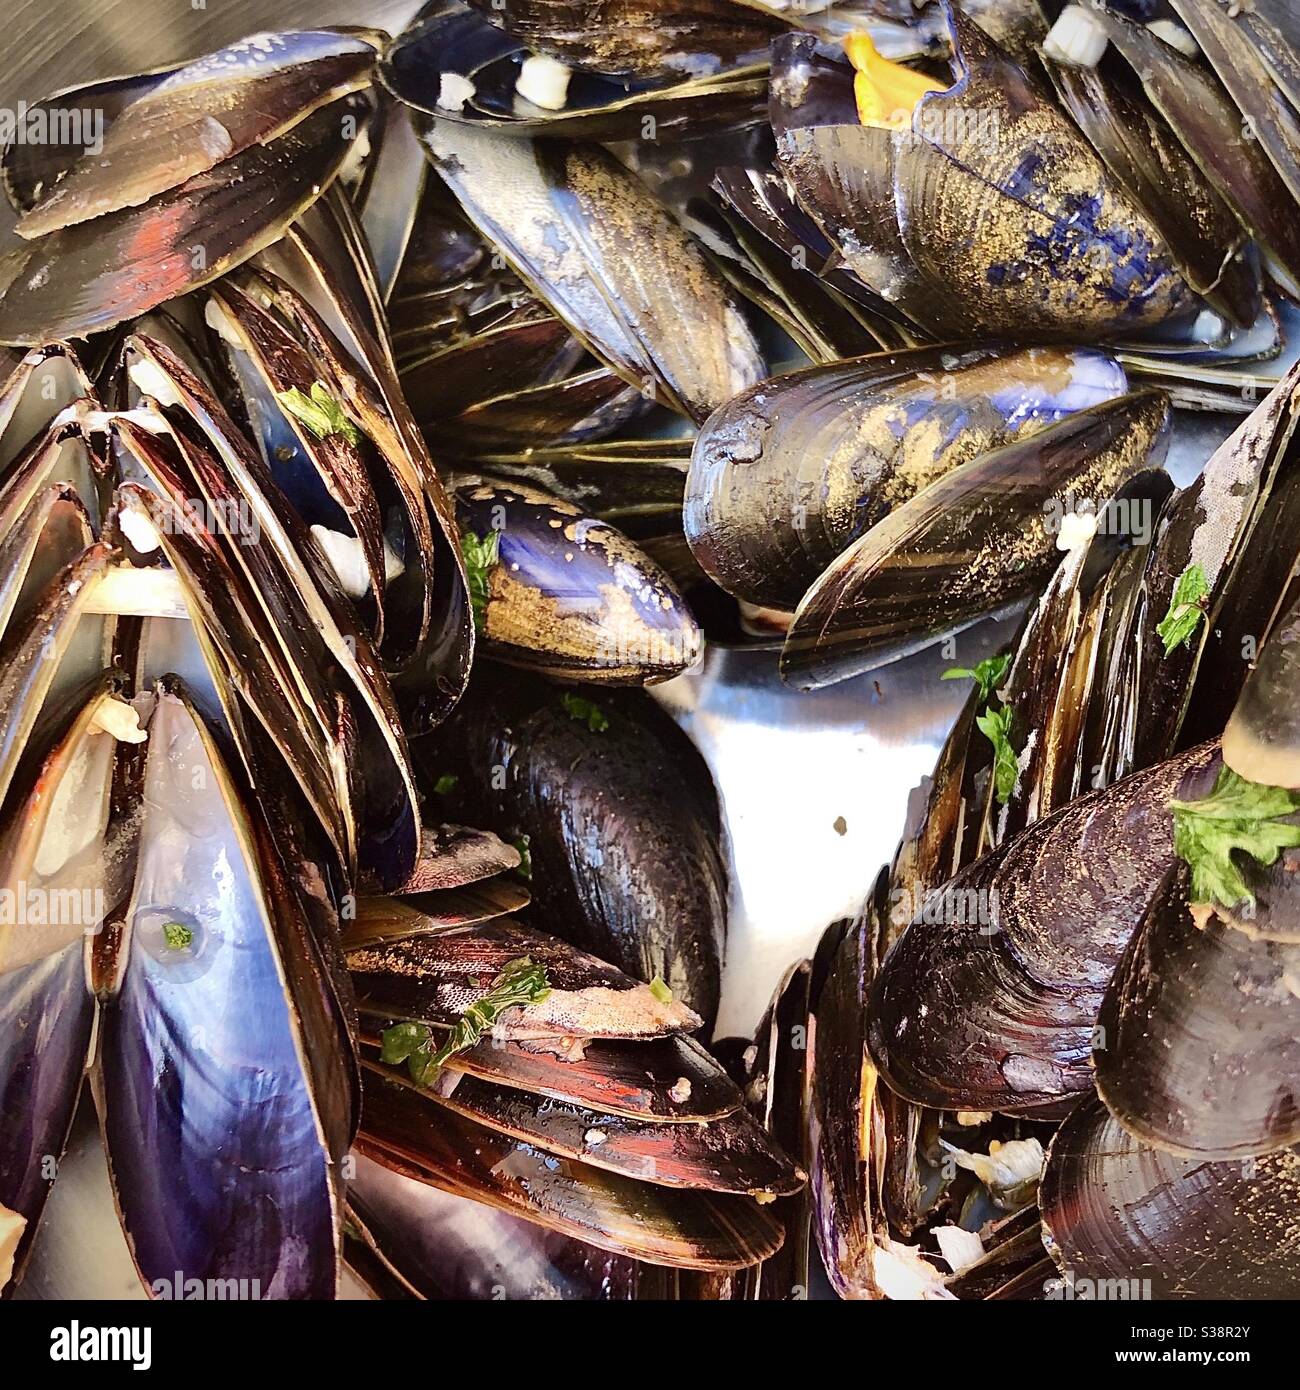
x,y
519,984
177,936
585,712
320,413
446,784
659,988
1186,608
1237,815
480,557
995,725
987,675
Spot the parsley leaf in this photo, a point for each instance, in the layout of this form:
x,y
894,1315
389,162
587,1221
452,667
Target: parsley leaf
x,y
320,412
585,712
987,675
177,936
995,725
520,983
1186,608
480,557
1237,815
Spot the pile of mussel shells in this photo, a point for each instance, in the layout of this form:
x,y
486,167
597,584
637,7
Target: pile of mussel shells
x,y
383,416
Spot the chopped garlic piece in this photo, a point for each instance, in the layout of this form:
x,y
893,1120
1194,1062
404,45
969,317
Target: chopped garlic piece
x,y
122,720
1077,528
960,1248
902,1274
1010,1171
219,321
544,81
150,380
453,91
1076,39
347,559
12,1227
139,530
1175,36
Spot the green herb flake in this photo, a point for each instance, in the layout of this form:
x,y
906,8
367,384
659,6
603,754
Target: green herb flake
x,y
525,866
987,675
519,984
1237,815
659,988
177,936
446,784
585,712
1186,608
995,725
480,557
321,413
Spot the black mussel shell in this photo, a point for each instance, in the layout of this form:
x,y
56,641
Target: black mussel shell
x,y
621,818
569,596
788,474
990,998
977,540
1126,1221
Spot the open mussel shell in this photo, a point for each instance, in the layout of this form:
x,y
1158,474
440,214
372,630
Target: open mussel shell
x,y
63,848
433,978
204,984
414,1241
568,595
788,474
1021,946
975,541
670,1080
1177,1228
986,213
96,274
621,816
679,1228
1197,1046
589,239
456,64
633,38
1236,524
310,632
261,86
731,1154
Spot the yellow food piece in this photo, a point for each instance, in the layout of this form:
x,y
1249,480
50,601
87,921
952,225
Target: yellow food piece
x,y
886,93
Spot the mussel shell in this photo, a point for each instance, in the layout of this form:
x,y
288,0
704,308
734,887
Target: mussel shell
x,y
434,978
570,596
211,1054
1020,947
1142,152
441,1246
1115,1211
1198,1045
1262,740
623,824
788,474
670,1080
637,38
587,236
682,1229
973,542
449,40
731,1154
990,215
96,274
1212,129
452,856
261,86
